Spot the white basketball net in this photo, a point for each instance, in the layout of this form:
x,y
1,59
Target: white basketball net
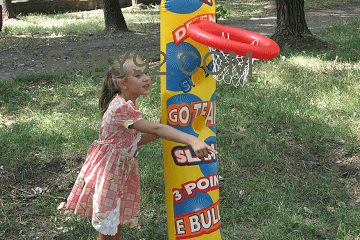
x,y
238,75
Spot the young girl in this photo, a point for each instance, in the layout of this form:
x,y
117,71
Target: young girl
x,y
108,186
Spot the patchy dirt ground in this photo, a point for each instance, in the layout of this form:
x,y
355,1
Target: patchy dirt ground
x,y
21,56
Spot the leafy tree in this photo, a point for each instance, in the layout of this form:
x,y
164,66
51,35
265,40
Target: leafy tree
x,y
114,19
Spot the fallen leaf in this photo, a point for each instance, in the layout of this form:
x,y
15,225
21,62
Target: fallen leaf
x,y
61,205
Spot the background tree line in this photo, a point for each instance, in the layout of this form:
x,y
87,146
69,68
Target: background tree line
x,y
291,23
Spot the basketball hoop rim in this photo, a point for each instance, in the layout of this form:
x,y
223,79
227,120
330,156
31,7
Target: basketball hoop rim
x,y
209,33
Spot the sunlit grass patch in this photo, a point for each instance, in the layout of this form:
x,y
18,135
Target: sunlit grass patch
x,y
314,4
142,20
327,87
240,10
54,25
347,43
58,25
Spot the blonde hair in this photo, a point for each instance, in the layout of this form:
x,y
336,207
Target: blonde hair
x,y
110,85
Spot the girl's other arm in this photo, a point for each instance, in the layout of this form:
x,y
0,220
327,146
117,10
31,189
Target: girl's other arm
x,y
169,133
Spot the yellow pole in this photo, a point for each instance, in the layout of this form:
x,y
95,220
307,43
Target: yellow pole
x,y
188,104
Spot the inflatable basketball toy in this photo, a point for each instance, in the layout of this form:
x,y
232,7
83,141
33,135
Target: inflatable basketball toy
x,y
229,47
195,48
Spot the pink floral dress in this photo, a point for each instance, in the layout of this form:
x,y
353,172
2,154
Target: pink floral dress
x,y
108,186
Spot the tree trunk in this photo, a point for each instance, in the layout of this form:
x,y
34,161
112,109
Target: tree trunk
x,y
1,20
291,18
7,9
134,3
292,30
114,19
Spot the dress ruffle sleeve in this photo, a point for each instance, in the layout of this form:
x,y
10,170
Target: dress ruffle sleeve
x,y
125,114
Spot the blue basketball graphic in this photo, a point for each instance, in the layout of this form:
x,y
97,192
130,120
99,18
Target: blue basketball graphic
x,y
201,201
183,6
208,168
177,79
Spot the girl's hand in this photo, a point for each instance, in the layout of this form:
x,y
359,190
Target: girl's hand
x,y
201,149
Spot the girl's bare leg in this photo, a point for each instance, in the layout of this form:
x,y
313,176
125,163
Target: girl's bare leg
x,y
108,237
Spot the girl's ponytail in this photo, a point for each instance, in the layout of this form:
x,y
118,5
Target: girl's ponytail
x,y
110,86
108,91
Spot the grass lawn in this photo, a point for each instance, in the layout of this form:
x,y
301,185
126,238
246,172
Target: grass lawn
x,y
288,145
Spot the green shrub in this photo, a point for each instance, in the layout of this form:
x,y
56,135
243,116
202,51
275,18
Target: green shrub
x,y
221,11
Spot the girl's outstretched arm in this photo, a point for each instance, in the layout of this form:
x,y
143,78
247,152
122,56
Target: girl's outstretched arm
x,y
200,148
146,138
